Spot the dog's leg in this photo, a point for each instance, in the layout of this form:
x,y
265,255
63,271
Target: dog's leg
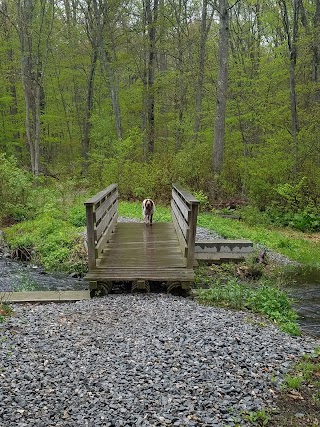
x,y
151,219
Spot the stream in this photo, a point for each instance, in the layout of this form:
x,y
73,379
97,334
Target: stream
x,y
18,276
304,288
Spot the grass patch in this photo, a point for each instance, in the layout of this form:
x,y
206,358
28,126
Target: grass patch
x,y
258,418
5,310
52,239
262,298
300,394
296,245
134,210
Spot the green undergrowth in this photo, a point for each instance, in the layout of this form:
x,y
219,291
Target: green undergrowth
x,y
53,239
224,286
5,310
304,371
295,245
134,210
299,394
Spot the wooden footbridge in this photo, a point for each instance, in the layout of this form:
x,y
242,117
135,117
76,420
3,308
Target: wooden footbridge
x,y
138,253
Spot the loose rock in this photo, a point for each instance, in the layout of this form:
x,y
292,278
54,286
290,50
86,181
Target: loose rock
x,y
148,360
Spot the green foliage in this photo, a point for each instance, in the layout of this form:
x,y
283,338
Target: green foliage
x,y
263,298
77,216
15,189
5,310
53,241
295,197
230,295
139,178
258,418
191,167
305,221
292,382
251,215
203,199
294,205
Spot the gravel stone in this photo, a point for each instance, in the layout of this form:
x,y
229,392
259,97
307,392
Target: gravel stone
x,y
139,360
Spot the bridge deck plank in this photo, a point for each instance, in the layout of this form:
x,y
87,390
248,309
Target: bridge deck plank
x,y
139,251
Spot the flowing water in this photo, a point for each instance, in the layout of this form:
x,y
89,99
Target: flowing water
x,y
304,287
17,276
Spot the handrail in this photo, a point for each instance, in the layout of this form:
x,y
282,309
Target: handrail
x,y
184,208
101,214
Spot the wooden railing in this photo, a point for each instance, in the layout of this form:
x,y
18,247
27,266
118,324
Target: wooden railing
x,y
102,215
184,209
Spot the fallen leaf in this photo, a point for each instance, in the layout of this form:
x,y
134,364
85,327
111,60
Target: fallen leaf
x,y
295,395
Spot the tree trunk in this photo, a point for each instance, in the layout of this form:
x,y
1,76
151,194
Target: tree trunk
x,y
292,48
89,108
106,61
202,56
29,82
316,50
222,86
181,94
151,20
100,22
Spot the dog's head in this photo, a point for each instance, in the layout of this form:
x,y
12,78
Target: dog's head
x,y
148,204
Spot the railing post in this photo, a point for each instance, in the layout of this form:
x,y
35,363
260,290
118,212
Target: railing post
x,y
90,236
194,205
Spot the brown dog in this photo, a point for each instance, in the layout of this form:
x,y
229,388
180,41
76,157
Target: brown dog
x,y
148,208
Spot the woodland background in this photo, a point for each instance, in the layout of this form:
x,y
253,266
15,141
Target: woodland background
x,y
222,97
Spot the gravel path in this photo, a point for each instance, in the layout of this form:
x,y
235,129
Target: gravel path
x,y
138,360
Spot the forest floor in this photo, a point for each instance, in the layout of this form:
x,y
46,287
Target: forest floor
x,y
298,408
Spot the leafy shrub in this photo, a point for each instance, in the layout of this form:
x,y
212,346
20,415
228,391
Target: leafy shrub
x,y
52,241
305,221
253,216
294,206
15,189
77,216
192,166
295,197
203,199
265,299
